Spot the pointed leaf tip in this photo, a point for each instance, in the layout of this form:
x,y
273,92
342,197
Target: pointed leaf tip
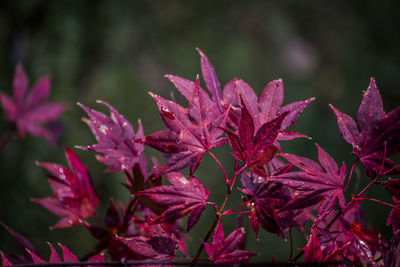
x,y
200,52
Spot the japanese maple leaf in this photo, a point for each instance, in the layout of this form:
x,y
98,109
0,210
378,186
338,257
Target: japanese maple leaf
x,y
319,182
68,256
114,225
115,137
187,87
375,136
255,149
225,250
263,110
266,201
363,245
266,108
139,180
184,196
34,256
30,112
4,260
157,244
313,252
190,132
22,243
74,198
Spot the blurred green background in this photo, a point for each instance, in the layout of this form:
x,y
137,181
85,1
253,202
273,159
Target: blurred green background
x,y
117,51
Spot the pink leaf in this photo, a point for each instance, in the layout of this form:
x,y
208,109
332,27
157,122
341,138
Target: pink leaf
x,y
375,136
74,198
225,250
115,137
30,113
183,196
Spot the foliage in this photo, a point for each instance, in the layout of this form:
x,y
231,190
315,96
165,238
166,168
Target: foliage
x,y
280,191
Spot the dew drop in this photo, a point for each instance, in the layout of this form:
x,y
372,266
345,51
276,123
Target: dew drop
x,y
167,113
103,129
184,181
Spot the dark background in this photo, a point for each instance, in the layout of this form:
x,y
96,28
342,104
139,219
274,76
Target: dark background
x,y
117,51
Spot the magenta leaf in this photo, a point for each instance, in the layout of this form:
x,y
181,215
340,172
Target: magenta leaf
x,y
255,149
375,135
211,79
74,198
313,252
114,225
348,239
5,261
266,202
68,256
36,259
23,243
266,108
191,132
157,244
329,255
115,137
365,244
225,250
29,112
184,196
139,180
318,182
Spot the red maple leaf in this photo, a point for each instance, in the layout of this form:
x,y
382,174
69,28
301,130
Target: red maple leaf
x,y
255,149
114,226
74,198
184,196
314,252
29,112
115,137
266,202
376,134
225,250
68,256
265,109
268,107
191,132
156,244
317,182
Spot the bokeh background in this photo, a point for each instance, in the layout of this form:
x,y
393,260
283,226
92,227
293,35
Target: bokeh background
x,y
117,51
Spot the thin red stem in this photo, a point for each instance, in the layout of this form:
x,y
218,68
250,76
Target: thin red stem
x,y
233,180
376,200
237,212
220,212
220,165
351,173
348,206
391,169
241,205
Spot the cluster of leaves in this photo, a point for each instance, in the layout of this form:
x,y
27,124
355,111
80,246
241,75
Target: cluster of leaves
x,y
280,191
